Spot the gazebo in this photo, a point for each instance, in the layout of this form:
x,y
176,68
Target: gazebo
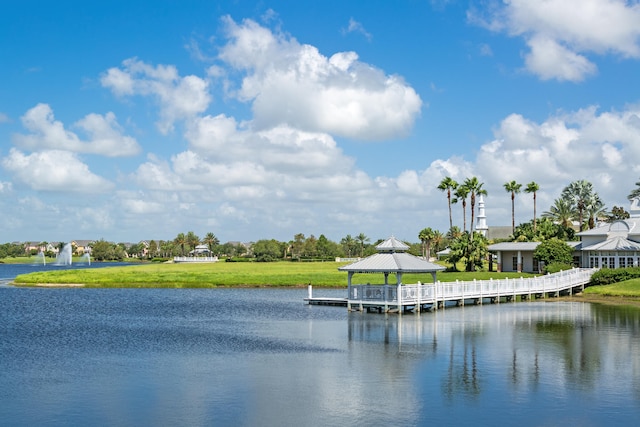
x,y
391,258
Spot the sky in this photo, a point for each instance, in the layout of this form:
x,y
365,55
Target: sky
x,y
138,120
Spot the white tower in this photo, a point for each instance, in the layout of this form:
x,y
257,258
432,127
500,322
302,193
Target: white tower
x,y
481,224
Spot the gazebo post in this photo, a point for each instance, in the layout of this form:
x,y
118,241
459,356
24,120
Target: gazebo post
x,y
399,296
349,275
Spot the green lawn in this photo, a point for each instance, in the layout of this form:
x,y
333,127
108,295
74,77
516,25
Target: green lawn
x,y
224,274
628,288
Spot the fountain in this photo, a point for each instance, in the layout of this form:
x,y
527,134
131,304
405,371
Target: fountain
x,y
40,259
86,258
64,257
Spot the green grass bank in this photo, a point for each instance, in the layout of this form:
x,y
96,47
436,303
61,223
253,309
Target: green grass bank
x,y
229,274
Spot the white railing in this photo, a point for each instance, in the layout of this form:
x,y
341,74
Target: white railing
x,y
476,289
195,259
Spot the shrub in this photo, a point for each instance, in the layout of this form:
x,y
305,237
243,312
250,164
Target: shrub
x,y
555,267
607,276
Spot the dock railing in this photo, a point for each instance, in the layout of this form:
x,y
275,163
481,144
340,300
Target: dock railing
x,y
432,293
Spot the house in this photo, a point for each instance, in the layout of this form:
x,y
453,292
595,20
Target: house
x,y
608,245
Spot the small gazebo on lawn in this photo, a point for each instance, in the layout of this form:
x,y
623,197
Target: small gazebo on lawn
x,y
391,258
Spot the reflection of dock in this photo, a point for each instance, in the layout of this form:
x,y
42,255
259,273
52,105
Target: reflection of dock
x,y
417,297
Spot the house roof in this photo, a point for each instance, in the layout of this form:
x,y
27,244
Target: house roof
x,y
392,258
616,243
525,246
627,226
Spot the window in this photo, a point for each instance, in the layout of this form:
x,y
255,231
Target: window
x,y
514,264
536,265
629,261
612,262
622,262
605,262
594,262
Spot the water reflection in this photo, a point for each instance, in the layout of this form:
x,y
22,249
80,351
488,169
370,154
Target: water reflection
x,y
563,349
262,357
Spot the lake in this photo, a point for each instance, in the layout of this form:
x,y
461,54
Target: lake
x,y
261,357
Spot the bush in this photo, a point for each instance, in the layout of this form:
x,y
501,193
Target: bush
x,y
555,267
607,276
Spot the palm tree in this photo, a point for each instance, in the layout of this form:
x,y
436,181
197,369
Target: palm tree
x,y
426,235
533,187
192,240
635,193
561,212
180,240
362,238
513,188
475,188
461,193
595,208
347,243
211,241
578,193
448,184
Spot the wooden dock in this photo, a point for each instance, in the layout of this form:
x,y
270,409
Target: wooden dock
x,y
431,296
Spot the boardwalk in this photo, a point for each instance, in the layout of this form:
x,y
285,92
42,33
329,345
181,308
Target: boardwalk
x,y
399,298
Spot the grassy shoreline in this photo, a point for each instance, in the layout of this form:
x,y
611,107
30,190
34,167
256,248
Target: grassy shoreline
x,y
222,274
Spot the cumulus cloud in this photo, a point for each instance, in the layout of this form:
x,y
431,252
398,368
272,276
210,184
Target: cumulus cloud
x,y
560,36
178,97
54,170
294,84
104,134
602,147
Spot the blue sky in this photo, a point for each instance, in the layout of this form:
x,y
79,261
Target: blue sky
x,y
140,120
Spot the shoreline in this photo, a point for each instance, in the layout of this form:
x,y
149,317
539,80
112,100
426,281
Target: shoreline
x,y
603,299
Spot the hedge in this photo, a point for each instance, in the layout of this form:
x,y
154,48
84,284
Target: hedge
x,y
607,276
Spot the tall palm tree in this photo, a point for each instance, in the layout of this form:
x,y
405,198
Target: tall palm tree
x,y
533,187
461,193
426,235
475,189
347,243
192,240
211,241
448,184
635,193
513,188
362,238
561,212
578,193
180,240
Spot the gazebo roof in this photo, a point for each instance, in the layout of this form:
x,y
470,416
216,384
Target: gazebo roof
x,y
392,258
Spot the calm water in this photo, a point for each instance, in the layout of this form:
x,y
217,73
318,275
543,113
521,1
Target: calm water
x,y
257,357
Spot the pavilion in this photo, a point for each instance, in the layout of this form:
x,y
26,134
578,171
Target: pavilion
x,y
391,258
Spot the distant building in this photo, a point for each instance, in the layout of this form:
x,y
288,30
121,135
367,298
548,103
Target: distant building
x,y
608,245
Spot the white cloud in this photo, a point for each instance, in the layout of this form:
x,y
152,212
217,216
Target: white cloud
x,y
4,118
356,27
294,84
178,97
560,34
104,132
603,148
54,170
5,187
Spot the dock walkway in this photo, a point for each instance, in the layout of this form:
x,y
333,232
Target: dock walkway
x,y
430,296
